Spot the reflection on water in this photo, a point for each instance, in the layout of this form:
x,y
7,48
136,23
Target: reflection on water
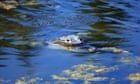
x,y
107,24
106,32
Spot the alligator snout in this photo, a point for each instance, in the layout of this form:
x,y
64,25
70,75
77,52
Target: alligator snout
x,y
70,40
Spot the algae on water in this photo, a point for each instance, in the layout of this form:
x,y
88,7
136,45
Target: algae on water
x,y
134,77
23,80
86,72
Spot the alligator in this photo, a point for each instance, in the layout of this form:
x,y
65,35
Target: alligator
x,y
72,43
75,43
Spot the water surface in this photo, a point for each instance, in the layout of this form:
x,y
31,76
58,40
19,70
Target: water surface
x,y
108,23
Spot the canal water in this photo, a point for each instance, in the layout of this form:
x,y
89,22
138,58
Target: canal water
x,y
104,23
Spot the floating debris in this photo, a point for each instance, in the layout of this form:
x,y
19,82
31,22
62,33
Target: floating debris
x,y
20,82
13,4
6,6
126,59
130,60
60,77
134,77
33,43
83,33
62,82
30,81
116,50
86,72
102,70
85,67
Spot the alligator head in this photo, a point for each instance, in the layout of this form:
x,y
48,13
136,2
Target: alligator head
x,y
70,40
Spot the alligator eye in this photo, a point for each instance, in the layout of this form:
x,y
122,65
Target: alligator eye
x,y
81,39
67,40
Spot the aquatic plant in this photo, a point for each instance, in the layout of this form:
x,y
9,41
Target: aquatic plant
x,y
134,77
23,80
86,72
116,50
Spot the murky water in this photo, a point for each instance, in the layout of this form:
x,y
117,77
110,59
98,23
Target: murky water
x,y
109,23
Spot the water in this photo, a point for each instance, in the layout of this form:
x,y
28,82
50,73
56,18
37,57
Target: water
x,y
109,23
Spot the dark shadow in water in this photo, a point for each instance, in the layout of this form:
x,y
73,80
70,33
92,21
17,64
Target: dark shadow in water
x,y
18,25
10,33
106,32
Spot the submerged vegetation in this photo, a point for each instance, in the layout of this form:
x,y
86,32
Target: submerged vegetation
x,y
116,50
14,4
6,6
109,25
30,81
134,77
86,72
